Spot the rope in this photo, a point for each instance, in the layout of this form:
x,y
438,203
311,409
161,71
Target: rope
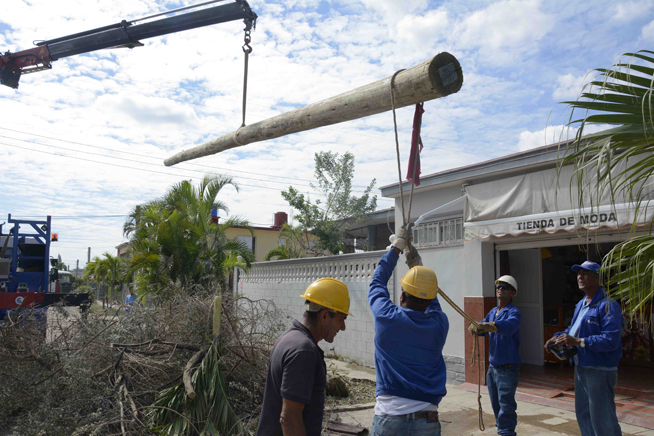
x,y
475,351
397,144
482,427
405,219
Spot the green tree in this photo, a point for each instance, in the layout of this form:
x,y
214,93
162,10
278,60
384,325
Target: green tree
x,y
295,241
176,246
329,219
619,160
107,269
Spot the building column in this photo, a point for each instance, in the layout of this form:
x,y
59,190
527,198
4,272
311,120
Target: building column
x,y
479,279
477,308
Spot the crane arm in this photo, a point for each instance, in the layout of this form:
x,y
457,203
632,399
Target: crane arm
x,y
123,34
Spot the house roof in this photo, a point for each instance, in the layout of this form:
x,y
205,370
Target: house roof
x,y
123,245
512,164
381,216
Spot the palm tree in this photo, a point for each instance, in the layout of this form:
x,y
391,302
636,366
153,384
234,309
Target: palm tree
x,y
293,243
175,245
620,161
109,269
95,271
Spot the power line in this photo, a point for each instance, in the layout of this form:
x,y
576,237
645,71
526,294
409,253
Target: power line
x,y
131,160
131,168
140,162
141,155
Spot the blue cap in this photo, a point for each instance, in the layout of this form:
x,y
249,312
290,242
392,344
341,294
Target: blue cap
x,y
589,266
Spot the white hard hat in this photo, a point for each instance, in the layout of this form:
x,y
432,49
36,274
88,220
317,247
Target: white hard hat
x,y
509,280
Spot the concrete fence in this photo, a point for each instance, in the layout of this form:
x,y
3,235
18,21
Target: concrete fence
x,y
283,282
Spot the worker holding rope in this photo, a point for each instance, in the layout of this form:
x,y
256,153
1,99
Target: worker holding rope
x,y
409,342
503,325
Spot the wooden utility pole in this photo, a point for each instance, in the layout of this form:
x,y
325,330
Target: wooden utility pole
x,y
435,78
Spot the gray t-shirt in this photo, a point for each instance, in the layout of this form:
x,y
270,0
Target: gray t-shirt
x,y
298,373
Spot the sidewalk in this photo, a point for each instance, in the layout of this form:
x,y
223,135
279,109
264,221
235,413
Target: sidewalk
x,y
459,414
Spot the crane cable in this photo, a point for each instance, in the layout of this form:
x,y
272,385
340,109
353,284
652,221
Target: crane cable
x,y
406,219
247,49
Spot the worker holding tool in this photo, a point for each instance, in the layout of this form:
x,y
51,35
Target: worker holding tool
x,y
595,335
503,325
409,343
294,397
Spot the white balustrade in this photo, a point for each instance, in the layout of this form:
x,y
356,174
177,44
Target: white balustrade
x,y
263,279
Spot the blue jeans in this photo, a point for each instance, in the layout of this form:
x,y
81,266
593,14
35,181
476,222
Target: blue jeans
x,y
595,402
502,383
387,425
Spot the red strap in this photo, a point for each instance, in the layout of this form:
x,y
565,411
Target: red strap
x,y
415,140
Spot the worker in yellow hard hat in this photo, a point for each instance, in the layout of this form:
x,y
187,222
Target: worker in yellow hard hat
x,y
409,341
294,396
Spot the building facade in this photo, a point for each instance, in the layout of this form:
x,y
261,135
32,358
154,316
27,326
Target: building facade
x,y
517,215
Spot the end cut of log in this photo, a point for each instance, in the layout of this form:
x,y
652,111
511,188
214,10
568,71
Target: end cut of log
x,y
438,77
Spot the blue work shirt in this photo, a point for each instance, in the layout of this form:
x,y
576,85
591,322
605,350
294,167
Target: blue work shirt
x,y
408,343
601,328
504,344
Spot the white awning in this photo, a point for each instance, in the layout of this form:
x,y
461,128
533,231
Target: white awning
x,y
451,207
608,216
541,202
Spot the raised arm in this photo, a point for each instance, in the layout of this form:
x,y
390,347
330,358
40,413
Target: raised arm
x,y
378,296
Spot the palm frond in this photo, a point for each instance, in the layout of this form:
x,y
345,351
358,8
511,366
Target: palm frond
x,y
210,411
619,162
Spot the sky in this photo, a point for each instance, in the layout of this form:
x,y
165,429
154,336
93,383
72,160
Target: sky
x,y
85,141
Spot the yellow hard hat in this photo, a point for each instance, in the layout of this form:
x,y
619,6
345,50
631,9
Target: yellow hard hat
x,y
329,293
421,282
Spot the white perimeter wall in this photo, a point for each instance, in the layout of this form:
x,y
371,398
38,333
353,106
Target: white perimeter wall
x,y
283,282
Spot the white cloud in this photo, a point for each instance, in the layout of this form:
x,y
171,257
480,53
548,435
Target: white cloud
x,y
554,134
505,29
569,86
430,25
630,11
648,32
549,135
393,9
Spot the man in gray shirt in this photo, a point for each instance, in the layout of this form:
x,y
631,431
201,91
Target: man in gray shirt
x,y
294,397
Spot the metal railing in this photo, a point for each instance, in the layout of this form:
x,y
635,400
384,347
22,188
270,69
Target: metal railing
x,y
439,233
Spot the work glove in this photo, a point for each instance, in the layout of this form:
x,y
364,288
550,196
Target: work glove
x,y
484,327
402,238
413,258
487,327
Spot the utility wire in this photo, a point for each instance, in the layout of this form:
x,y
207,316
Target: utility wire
x,y
158,165
132,168
137,161
144,155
